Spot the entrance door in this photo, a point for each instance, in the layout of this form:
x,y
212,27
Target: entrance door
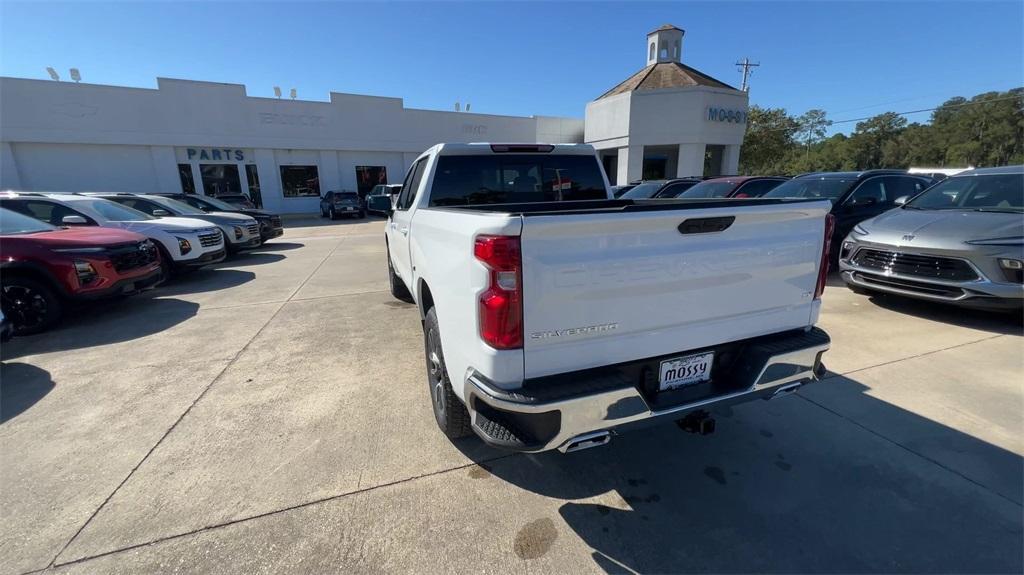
x,y
713,155
220,179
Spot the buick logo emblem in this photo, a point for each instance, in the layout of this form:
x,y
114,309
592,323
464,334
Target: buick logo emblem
x,y
908,238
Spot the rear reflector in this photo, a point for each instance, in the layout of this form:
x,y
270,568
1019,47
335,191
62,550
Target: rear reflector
x,y
501,304
826,248
521,148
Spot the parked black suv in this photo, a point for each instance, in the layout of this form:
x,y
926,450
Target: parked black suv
x,y
341,203
855,196
270,223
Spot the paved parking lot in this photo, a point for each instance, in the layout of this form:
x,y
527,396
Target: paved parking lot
x,y
272,415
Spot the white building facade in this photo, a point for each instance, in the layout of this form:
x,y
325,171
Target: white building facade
x,y
212,138
668,119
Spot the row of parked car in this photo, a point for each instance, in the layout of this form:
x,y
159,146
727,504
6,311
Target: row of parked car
x,y
958,240
61,248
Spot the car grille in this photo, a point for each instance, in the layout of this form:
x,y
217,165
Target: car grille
x,y
210,238
923,288
132,256
915,265
254,229
275,221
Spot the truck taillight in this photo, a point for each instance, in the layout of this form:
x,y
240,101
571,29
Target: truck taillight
x,y
501,304
826,248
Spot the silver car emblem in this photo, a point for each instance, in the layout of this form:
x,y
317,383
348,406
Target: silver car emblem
x,y
908,238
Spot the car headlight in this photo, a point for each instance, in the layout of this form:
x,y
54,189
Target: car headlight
x,y
859,230
238,232
184,245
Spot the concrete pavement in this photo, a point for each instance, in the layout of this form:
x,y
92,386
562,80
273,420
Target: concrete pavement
x,y
272,415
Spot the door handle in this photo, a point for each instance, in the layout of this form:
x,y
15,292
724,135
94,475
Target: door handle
x,y
405,231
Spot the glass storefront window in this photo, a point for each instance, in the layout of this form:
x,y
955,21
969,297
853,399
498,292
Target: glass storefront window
x,y
253,177
369,176
220,179
300,181
188,184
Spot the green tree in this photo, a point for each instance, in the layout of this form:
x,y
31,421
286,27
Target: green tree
x,y
867,144
768,140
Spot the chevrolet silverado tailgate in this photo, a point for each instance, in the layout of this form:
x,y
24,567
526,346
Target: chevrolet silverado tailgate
x,y
608,287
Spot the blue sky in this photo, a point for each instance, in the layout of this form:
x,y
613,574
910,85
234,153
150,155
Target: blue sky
x,y
851,59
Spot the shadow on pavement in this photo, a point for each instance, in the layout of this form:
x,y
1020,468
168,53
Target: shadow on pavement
x,y
205,280
783,486
22,386
252,258
103,323
273,246
1005,323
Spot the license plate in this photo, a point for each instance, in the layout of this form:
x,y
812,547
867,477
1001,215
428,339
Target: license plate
x,y
683,371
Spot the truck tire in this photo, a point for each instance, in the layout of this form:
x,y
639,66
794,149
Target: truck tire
x,y
31,305
398,289
449,412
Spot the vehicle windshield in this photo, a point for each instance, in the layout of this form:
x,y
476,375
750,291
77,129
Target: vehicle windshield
x,y
179,207
114,211
811,187
346,195
989,193
642,191
709,190
13,223
218,204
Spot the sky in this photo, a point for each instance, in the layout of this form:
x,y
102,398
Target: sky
x,y
852,59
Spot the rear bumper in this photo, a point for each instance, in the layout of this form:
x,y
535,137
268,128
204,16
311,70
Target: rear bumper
x,y
548,413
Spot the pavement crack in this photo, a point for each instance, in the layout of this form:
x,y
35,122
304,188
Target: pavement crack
x,y
216,378
281,510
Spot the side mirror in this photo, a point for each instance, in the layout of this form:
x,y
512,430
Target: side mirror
x,y
381,204
901,200
74,221
161,213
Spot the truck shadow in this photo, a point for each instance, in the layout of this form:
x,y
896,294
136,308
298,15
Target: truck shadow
x,y
23,385
787,486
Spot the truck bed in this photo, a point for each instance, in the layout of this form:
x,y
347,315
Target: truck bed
x,y
618,205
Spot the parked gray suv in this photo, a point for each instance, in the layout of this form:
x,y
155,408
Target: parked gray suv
x,y
960,241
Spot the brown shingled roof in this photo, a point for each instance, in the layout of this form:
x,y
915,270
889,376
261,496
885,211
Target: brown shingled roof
x,y
665,27
665,75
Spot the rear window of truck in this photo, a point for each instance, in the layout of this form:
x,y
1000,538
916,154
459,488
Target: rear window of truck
x,y
515,178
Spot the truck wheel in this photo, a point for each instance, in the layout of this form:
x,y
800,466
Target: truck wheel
x,y
398,289
30,305
451,415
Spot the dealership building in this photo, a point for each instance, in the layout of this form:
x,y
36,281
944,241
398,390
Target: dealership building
x,y
666,120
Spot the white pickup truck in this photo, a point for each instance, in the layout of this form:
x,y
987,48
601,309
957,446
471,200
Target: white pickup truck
x,y
556,317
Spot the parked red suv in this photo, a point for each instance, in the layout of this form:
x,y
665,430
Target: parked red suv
x,y
43,267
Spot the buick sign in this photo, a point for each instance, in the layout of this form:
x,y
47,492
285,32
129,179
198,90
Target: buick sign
x,y
726,115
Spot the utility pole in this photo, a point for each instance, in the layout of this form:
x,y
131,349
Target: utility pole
x,y
746,66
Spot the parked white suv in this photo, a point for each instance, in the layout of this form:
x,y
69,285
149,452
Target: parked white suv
x,y
185,243
555,316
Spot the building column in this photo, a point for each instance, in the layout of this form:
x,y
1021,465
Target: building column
x,y
330,177
9,177
731,160
165,169
630,166
691,160
270,180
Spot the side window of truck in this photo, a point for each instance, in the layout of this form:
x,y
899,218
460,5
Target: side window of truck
x,y
412,183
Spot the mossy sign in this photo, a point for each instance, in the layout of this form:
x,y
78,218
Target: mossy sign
x,y
726,115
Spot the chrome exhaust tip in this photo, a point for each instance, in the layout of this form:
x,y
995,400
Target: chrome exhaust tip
x,y
786,390
586,441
